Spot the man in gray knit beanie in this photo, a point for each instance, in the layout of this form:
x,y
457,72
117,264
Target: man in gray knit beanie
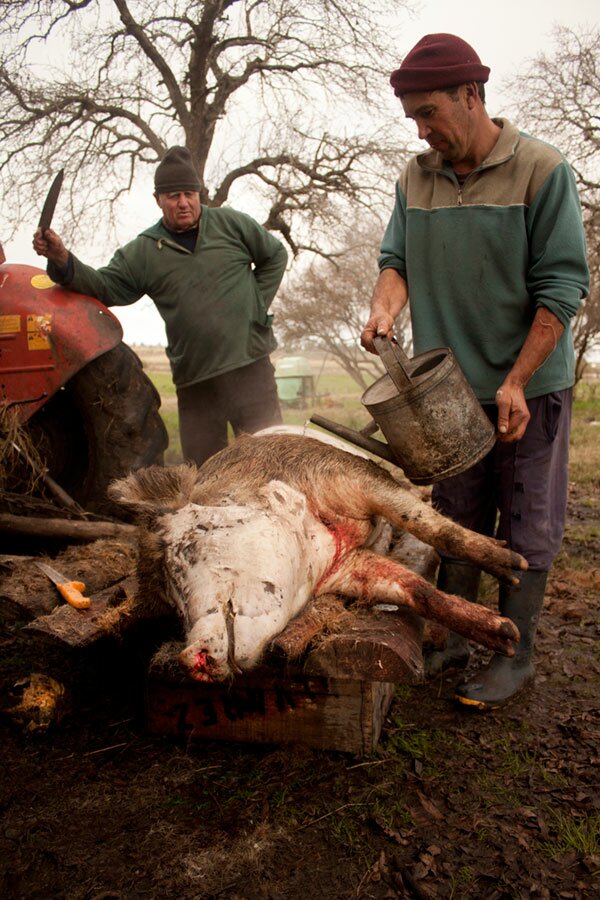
x,y
212,274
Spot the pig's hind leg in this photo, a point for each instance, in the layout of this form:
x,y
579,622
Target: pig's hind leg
x,y
372,579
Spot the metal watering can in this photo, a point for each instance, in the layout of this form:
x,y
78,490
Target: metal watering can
x,y
432,421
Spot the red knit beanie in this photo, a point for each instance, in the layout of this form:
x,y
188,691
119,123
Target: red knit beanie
x,y
438,61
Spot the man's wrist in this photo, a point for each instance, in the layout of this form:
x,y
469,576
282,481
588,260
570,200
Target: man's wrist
x,y
63,274
516,380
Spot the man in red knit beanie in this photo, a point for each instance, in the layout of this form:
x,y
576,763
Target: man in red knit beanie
x,y
486,244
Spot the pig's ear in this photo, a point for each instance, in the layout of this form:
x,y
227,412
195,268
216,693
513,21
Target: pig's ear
x,y
155,488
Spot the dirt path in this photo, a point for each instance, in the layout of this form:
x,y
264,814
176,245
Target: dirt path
x,y
452,804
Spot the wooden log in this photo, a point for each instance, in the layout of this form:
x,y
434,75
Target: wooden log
x,y
25,607
17,604
370,644
334,698
65,529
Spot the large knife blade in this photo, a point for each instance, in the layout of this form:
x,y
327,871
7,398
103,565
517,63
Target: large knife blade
x,y
50,202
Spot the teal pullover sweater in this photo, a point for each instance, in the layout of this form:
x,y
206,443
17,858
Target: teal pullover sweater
x,y
481,258
214,301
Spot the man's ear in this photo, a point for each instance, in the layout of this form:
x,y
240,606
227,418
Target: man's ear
x,y
471,94
157,200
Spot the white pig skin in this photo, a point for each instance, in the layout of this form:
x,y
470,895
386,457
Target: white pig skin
x,y
254,566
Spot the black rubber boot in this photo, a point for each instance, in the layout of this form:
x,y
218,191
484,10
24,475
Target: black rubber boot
x,y
462,579
506,676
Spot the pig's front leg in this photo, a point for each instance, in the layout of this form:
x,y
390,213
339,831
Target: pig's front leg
x,y
325,612
375,579
401,508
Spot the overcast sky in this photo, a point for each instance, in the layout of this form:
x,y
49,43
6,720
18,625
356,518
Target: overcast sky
x,y
506,35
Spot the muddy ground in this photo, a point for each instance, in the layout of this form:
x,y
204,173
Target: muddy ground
x,y
452,804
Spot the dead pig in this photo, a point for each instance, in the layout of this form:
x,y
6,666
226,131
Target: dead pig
x,y
240,545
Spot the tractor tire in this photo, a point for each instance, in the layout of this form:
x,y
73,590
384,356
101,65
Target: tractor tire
x,y
102,424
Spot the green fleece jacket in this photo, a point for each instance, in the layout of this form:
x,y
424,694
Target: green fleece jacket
x,y
214,301
481,258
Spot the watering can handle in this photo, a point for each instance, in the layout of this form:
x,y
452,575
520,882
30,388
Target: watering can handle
x,y
395,361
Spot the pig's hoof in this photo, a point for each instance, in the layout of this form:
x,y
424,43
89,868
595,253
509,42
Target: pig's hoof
x,y
509,630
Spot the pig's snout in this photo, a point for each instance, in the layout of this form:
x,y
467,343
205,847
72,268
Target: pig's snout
x,y
201,666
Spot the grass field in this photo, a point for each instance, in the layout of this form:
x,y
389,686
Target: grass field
x,y
584,467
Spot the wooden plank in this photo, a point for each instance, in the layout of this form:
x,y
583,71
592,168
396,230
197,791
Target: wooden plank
x,y
111,611
374,713
17,603
259,707
378,646
374,645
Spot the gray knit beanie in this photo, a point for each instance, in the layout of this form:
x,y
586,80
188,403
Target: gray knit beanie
x,y
176,172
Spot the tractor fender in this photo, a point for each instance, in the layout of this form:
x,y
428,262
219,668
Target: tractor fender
x,y
47,334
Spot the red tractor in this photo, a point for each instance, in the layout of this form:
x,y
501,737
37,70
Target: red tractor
x,y
69,382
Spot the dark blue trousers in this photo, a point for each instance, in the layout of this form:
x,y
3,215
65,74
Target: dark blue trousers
x,y
518,492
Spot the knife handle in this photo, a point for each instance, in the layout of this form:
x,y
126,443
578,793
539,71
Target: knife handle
x,y
71,591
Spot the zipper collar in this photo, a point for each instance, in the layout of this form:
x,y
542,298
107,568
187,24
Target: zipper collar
x,y
503,150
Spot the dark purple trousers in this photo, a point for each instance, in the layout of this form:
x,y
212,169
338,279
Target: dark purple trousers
x,y
518,492
246,398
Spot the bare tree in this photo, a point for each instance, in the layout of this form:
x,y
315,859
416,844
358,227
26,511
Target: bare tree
x,y
558,98
279,96
326,305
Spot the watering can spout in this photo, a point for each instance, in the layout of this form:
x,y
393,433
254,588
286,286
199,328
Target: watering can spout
x,y
359,438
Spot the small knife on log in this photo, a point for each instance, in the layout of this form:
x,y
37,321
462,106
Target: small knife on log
x,y
70,590
50,202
